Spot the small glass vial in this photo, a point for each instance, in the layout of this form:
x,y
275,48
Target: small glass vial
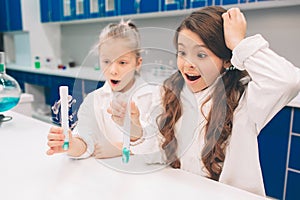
x,y
37,62
48,62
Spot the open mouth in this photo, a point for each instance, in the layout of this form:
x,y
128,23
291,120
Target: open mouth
x,y
114,82
192,77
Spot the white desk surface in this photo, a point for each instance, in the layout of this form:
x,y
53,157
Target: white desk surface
x,y
26,172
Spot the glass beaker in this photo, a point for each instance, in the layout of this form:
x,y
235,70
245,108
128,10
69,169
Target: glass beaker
x,y
10,91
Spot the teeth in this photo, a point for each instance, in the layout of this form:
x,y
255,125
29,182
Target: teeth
x,y
192,75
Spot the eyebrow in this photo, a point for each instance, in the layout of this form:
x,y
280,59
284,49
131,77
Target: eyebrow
x,y
198,45
123,57
103,58
108,57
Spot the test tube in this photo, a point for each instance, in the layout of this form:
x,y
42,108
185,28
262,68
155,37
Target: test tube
x,y
63,93
120,98
126,137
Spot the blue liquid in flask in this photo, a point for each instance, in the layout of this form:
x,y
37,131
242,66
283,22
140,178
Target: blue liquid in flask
x,y
7,103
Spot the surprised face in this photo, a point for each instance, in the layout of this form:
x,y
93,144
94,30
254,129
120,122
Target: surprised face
x,y
198,65
119,64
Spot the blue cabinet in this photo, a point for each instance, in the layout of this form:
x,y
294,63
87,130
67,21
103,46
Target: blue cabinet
x,y
3,16
150,6
198,3
78,88
51,10
128,7
96,8
81,10
292,189
273,145
45,10
296,126
10,15
65,10
174,5
293,161
112,7
279,148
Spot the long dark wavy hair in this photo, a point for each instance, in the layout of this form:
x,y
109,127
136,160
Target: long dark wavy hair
x,y
208,24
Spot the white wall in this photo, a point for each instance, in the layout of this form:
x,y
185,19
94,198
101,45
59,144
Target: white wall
x,y
280,26
36,39
44,39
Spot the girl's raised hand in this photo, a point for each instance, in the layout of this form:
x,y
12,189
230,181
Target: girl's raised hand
x,y
235,26
117,110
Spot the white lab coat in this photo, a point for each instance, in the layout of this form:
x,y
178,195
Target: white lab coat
x,y
95,125
274,82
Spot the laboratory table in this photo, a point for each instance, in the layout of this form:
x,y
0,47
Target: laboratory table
x,y
26,172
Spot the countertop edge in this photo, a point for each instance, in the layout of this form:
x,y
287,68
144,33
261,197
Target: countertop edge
x,y
82,72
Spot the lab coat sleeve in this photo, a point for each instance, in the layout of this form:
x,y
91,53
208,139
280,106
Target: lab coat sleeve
x,y
86,125
148,105
274,80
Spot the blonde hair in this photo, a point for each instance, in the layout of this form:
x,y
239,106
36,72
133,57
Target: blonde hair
x,y
123,30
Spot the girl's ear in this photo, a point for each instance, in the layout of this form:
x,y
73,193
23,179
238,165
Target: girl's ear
x,y
226,64
138,64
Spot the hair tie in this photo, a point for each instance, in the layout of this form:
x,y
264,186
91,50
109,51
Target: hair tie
x,y
231,68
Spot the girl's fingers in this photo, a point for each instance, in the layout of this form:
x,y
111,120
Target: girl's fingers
x,y
97,152
236,16
225,17
233,13
135,114
117,106
55,129
56,140
118,120
50,152
109,110
53,136
54,150
134,110
234,27
116,115
117,109
55,143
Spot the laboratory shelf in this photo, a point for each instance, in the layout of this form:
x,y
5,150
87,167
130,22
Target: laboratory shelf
x,y
183,12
